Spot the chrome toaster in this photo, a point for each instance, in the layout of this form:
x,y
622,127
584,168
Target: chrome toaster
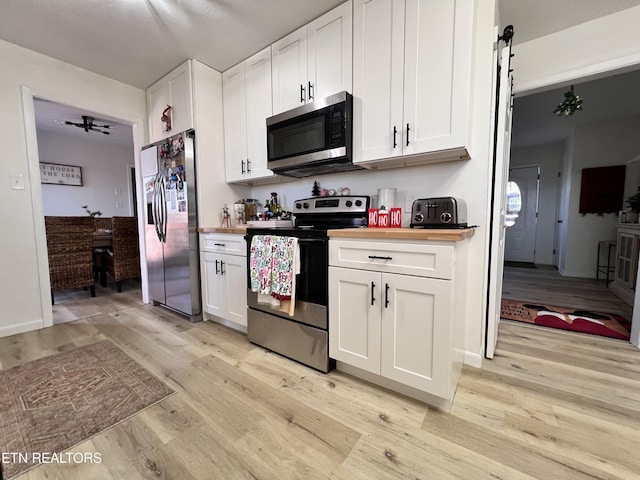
x,y
440,212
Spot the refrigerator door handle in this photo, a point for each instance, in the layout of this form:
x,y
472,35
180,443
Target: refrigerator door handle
x,y
164,210
154,210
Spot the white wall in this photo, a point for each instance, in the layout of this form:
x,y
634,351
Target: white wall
x,y
597,145
22,301
105,170
586,50
549,158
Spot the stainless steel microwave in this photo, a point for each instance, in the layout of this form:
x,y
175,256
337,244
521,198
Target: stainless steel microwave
x,y
313,139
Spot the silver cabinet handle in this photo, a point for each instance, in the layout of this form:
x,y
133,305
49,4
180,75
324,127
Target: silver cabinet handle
x,y
217,271
222,267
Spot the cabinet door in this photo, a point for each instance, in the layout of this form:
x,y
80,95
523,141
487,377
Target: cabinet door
x,y
212,284
378,51
258,104
330,53
416,332
234,274
235,122
436,74
354,318
180,90
157,100
289,71
627,253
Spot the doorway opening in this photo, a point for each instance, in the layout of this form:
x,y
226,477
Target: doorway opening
x,y
106,189
565,244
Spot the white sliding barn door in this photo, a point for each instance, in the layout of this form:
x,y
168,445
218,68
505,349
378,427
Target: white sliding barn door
x,y
498,227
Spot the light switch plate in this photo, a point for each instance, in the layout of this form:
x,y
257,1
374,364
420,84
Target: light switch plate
x,y
17,182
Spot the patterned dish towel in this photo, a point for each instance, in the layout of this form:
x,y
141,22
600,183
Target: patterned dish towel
x,y
273,265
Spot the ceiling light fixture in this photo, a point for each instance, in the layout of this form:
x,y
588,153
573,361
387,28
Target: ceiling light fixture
x,y
570,105
88,125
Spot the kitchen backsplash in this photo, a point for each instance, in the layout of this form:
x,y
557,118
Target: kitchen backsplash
x,y
410,182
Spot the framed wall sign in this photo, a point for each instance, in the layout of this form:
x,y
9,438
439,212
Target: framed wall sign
x,y
60,174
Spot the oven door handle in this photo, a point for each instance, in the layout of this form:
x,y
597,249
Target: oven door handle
x,y
311,240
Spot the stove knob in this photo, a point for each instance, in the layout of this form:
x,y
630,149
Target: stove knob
x,y
419,217
348,203
445,217
358,203
305,205
298,205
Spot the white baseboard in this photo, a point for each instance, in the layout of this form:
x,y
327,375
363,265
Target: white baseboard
x,y
226,323
23,327
473,359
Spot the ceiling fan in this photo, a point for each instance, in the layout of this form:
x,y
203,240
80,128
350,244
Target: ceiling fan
x,y
87,124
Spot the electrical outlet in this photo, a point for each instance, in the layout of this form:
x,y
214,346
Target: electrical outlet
x,y
17,182
408,203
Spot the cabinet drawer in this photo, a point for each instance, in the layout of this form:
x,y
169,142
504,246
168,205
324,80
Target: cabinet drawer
x,y
232,244
408,258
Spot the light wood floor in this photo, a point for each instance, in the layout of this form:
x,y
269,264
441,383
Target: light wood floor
x,y
551,405
545,285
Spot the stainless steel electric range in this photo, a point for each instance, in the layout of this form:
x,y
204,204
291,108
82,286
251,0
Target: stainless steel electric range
x,y
304,337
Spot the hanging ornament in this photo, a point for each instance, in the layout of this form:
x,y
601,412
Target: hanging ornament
x,y
571,104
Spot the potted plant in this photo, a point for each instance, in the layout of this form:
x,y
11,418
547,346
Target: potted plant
x,y
94,214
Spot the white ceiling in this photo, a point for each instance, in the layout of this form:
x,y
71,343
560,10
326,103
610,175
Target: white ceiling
x,y
138,41
51,116
537,18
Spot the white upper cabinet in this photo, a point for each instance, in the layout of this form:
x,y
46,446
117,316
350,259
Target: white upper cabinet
x,y
313,62
411,80
247,104
174,90
289,57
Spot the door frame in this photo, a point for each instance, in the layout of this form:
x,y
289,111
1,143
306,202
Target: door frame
x,y
42,258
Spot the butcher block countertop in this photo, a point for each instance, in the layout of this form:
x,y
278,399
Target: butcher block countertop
x,y
242,229
442,234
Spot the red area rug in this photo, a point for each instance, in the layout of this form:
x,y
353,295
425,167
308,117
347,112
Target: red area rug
x,y
576,320
53,403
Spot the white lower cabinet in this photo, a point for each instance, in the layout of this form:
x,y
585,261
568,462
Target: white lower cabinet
x,y
398,327
224,278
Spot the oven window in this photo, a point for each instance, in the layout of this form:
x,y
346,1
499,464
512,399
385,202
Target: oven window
x,y
311,284
301,136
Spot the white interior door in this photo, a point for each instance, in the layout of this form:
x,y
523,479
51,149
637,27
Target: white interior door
x,y
520,241
502,155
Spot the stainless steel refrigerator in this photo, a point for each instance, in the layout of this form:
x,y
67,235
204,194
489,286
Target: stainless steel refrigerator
x,y
171,232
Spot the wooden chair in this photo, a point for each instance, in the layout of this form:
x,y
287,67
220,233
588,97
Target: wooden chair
x,y
123,262
100,253
70,250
